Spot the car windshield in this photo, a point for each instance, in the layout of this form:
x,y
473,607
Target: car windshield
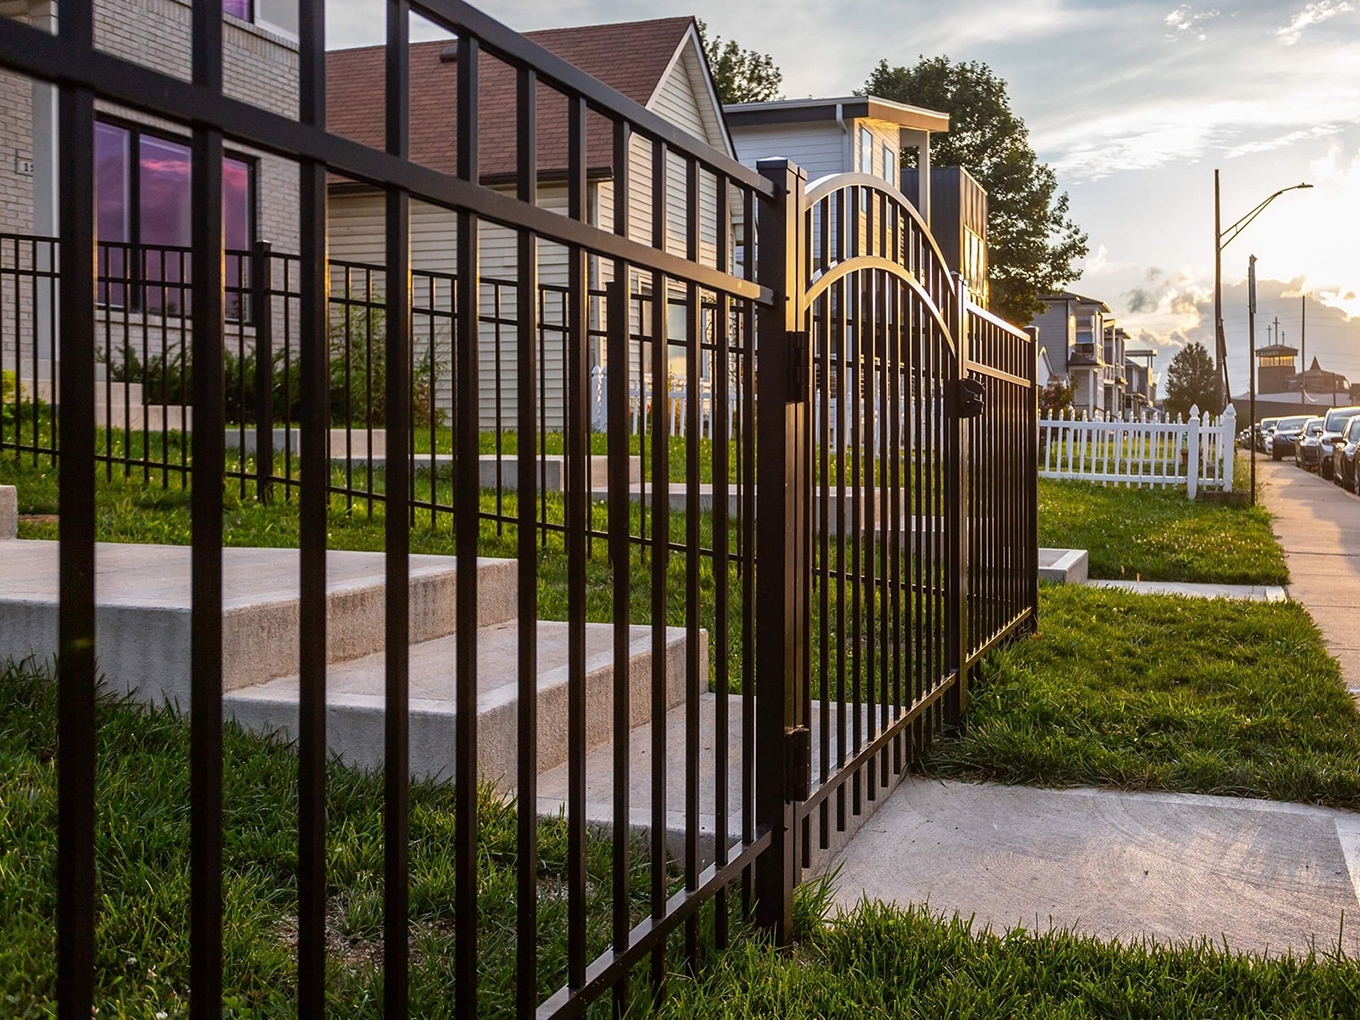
x,y
1292,424
1313,428
1337,417
1269,423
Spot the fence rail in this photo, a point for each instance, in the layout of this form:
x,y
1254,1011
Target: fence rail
x,y
1193,453
832,385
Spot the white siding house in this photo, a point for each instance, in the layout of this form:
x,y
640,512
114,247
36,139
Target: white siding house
x,y
665,71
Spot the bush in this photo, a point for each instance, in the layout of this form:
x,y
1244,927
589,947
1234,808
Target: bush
x,y
358,370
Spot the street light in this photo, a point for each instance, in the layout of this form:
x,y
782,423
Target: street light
x,y
1222,238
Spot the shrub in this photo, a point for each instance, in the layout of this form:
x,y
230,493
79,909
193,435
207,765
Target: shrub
x,y
358,370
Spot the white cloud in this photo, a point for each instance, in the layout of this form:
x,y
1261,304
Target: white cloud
x,y
1281,141
1312,14
1185,21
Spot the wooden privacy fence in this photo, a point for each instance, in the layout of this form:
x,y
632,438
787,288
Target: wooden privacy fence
x,y
1195,453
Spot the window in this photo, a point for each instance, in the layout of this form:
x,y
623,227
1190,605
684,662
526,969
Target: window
x,y
238,8
866,151
890,159
143,201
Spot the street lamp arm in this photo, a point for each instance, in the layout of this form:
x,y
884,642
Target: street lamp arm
x,y
1230,233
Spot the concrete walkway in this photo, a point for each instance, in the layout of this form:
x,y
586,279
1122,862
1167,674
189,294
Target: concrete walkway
x,y
1267,876
1318,525
1250,592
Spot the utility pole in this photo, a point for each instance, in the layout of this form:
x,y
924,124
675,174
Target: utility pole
x,y
1220,344
1251,392
1303,329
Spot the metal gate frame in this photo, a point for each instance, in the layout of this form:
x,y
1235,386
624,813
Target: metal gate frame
x,y
774,202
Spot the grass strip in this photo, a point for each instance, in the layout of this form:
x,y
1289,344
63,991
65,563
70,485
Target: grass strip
x,y
1158,692
1160,535
879,960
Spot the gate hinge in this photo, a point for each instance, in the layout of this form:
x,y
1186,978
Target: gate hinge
x,y
798,763
968,397
798,365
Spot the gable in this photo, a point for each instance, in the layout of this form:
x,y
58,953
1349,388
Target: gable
x,y
355,86
686,97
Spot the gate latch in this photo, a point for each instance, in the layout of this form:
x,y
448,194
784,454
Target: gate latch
x,y
798,366
798,763
970,397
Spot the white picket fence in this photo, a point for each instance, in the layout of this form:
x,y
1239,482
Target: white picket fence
x,y
643,398
1194,453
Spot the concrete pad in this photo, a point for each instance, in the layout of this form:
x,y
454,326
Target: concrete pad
x,y
1065,566
1315,522
1268,876
599,791
1249,592
355,698
9,512
142,616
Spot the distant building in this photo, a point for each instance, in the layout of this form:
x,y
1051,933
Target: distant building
x,y
1314,379
1085,347
866,134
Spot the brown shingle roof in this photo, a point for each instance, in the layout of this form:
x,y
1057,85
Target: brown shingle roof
x,y
631,57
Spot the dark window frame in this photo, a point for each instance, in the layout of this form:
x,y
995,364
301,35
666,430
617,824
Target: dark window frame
x,y
134,283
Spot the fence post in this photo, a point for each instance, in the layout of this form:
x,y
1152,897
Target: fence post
x,y
262,314
1227,445
781,548
956,520
1192,450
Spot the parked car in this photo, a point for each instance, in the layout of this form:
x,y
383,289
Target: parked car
x,y
1334,423
1344,473
1280,443
1306,444
1263,431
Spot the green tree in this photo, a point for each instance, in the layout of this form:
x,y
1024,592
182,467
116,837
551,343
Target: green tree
x,y
1032,243
1192,382
740,76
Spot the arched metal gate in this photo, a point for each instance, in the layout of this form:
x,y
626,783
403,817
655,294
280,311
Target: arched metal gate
x,y
865,532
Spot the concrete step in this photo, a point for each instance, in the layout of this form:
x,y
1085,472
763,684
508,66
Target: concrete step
x,y
552,785
355,699
142,612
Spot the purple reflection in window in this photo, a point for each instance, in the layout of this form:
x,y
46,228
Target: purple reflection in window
x,y
112,174
235,204
237,8
112,184
236,236
165,198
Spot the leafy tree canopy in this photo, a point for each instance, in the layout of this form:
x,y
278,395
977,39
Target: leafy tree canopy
x,y
1191,381
740,76
1032,242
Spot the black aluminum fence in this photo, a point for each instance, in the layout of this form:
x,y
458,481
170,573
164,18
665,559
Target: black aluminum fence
x,y
881,432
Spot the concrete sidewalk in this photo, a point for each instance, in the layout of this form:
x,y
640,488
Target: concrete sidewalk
x,y
1318,524
1267,876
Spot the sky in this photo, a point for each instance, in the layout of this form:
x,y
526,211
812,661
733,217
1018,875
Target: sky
x,y
1134,105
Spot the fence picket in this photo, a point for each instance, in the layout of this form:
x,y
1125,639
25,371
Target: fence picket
x,y
1152,449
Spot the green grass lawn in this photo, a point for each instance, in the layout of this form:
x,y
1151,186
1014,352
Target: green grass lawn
x,y
1167,693
143,873
881,961
1159,535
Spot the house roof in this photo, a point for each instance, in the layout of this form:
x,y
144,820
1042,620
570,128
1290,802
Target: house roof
x,y
800,111
631,57
1277,350
1068,295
